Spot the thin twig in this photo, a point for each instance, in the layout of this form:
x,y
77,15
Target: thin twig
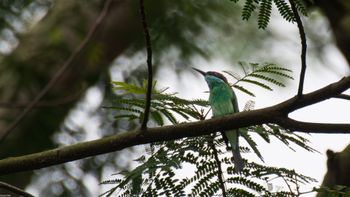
x,y
77,52
206,114
14,189
289,187
307,192
220,174
342,96
297,187
303,47
52,103
149,65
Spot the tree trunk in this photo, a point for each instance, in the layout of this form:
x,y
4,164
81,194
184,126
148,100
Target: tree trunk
x,y
42,51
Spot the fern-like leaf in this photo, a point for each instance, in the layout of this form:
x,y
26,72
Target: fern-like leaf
x,y
157,117
248,183
239,192
299,4
276,73
248,8
244,90
257,74
269,79
264,13
251,143
285,10
257,83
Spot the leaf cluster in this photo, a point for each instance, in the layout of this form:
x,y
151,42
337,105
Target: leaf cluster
x,y
335,191
265,9
205,158
163,105
159,173
261,75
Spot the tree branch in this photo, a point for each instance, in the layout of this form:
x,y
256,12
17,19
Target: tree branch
x,y
220,173
76,54
149,65
14,189
303,47
310,127
277,114
342,96
51,103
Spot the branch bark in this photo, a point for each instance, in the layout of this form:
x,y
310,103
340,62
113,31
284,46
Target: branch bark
x,y
14,189
303,47
149,65
44,103
220,173
277,114
342,96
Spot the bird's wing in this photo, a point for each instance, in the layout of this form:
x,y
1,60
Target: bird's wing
x,y
234,102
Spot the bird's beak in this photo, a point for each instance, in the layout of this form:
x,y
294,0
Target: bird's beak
x,y
201,72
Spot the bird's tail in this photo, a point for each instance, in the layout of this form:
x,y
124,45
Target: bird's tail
x,y
238,161
232,137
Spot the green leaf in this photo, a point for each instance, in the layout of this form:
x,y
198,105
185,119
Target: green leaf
x,y
264,13
248,8
169,116
257,83
261,131
157,118
299,4
285,10
269,79
252,144
276,73
128,116
128,88
244,90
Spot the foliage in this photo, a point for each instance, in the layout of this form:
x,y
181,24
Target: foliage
x,y
265,8
157,173
336,191
179,24
260,75
162,104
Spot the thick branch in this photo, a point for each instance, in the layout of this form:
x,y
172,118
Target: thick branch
x,y
131,138
310,127
342,96
319,95
276,114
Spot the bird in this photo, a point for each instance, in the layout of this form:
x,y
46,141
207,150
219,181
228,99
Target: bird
x,y
223,101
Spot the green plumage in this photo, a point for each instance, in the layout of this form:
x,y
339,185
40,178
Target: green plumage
x,y
224,101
